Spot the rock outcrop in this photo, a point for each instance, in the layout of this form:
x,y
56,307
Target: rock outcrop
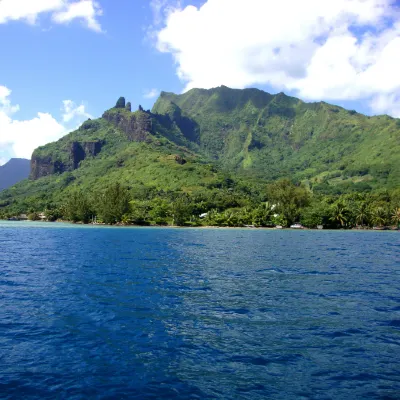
x,y
50,164
81,150
137,126
179,159
120,103
44,166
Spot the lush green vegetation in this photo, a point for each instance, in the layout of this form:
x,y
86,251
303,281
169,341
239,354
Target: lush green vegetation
x,y
267,137
229,204
219,157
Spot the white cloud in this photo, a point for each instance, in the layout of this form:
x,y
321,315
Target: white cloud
x,y
14,10
317,49
151,93
72,111
387,104
86,10
61,11
162,8
18,138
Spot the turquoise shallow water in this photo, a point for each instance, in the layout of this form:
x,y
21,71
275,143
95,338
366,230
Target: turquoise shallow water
x,y
95,312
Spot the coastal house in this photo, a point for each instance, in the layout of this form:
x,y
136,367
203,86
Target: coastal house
x,y
42,216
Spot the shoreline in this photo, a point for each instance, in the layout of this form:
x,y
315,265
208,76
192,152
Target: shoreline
x,y
79,224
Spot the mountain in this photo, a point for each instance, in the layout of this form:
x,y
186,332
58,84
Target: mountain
x,y
266,137
13,171
133,148
206,140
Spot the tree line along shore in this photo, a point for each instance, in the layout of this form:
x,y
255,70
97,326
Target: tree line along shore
x,y
282,203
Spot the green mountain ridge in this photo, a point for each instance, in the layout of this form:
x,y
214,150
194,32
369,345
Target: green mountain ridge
x,y
205,142
266,136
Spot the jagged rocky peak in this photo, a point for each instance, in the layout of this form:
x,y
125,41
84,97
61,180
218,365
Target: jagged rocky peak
x,y
136,125
120,103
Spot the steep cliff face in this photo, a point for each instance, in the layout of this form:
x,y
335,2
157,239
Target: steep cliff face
x,y
66,155
44,166
137,126
80,150
67,160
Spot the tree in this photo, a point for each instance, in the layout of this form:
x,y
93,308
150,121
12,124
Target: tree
x,y
263,214
120,103
52,214
289,199
160,211
318,213
78,208
340,214
139,212
181,210
362,213
34,216
380,216
113,204
128,106
396,216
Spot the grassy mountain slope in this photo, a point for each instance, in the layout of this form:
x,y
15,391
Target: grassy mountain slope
x,y
267,136
153,163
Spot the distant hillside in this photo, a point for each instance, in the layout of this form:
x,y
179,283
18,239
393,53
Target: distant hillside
x,y
266,137
203,141
14,171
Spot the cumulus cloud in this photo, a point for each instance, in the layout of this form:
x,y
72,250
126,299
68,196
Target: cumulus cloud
x,y
18,138
151,93
316,49
61,11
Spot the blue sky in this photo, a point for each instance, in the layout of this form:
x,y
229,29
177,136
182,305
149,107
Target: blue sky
x,y
47,63
65,60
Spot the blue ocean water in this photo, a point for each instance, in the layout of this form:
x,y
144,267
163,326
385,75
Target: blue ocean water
x,y
149,313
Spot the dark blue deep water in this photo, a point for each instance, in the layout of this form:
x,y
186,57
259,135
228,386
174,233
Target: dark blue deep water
x,y
114,313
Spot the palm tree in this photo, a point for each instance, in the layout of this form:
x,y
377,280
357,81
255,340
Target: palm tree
x,y
379,216
341,214
262,215
362,213
396,216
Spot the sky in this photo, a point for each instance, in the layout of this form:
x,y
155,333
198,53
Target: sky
x,y
64,61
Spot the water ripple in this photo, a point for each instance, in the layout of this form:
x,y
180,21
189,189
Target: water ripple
x,y
93,312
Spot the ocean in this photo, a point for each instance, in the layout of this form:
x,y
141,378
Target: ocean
x,y
168,313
